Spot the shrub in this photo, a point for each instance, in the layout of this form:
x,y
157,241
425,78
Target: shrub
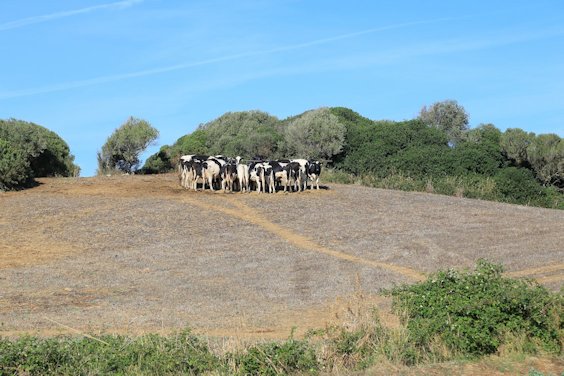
x,y
158,163
193,143
337,176
29,150
149,354
14,166
245,133
471,312
290,356
383,147
518,185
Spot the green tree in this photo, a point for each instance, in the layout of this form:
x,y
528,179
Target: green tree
x,y
448,116
122,149
546,156
385,147
246,133
479,153
316,134
193,143
518,185
514,143
158,163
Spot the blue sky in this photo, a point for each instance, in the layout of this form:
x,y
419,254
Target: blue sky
x,y
81,68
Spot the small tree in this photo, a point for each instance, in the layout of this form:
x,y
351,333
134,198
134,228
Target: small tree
x,y
448,116
546,156
514,143
246,133
315,134
122,149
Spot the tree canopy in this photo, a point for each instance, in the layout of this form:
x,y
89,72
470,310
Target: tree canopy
x,y
122,149
316,134
448,116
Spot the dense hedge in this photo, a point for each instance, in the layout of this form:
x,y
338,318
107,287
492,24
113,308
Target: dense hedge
x,y
29,150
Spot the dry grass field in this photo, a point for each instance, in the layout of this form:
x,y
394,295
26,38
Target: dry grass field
x,y
134,254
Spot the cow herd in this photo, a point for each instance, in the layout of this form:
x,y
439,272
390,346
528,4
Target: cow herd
x,y
230,174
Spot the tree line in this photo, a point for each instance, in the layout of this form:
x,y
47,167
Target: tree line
x,y
438,146
512,166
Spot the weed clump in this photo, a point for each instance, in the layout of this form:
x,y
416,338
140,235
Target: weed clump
x,y
274,358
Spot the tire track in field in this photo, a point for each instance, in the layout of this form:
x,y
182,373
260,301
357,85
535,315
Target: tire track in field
x,y
250,215
557,271
537,270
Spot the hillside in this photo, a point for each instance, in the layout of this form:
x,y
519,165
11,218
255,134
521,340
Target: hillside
x,y
139,253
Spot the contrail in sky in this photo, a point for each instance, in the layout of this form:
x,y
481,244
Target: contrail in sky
x,y
171,68
459,46
53,16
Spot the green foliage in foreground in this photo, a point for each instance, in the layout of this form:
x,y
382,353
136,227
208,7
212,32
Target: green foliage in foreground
x,y
453,315
473,311
149,355
273,358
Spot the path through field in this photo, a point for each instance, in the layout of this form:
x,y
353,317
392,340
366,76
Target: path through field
x,y
138,253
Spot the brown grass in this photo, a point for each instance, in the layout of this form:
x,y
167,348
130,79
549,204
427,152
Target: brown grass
x,y
134,254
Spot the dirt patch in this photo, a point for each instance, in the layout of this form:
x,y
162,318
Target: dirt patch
x,y
139,253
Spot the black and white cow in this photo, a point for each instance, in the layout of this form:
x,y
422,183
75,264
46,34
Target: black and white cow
x,y
313,172
280,174
186,168
212,172
228,174
256,175
293,171
302,175
197,174
242,175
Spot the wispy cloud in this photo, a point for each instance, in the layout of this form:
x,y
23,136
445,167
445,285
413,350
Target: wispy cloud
x,y
69,13
383,57
176,67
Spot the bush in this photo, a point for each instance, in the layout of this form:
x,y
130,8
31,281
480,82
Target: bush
x,y
291,356
518,185
384,147
149,355
29,150
14,166
246,133
472,312
193,143
158,163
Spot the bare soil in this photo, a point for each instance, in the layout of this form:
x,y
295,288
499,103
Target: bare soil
x,y
134,254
